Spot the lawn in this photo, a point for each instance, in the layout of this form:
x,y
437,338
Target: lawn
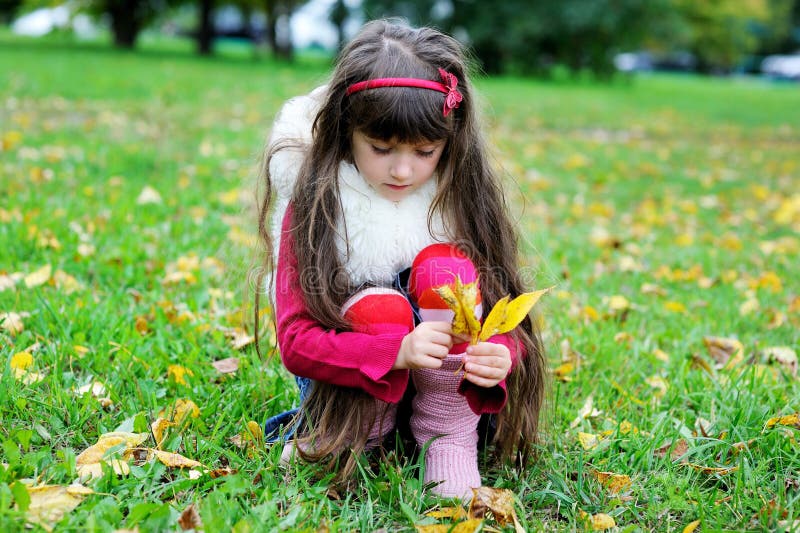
x,y
664,209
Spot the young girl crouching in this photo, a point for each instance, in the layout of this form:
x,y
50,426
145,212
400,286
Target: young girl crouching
x,y
378,191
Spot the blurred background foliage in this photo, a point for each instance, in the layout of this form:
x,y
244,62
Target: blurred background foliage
x,y
514,36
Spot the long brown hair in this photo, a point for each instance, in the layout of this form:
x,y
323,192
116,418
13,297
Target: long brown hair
x,y
469,197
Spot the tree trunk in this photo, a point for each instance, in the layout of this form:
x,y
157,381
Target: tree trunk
x,y
125,22
205,29
269,8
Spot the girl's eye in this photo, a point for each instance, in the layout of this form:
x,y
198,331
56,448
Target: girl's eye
x,y
425,153
380,150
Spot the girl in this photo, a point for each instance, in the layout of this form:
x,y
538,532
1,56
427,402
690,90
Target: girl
x,y
377,176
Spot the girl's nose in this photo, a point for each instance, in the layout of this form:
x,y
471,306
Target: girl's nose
x,y
400,168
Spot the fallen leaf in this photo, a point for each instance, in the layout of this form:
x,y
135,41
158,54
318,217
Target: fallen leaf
x,y
659,385
675,449
227,366
178,373
175,460
190,518
49,503
148,196
586,411
454,513
21,361
599,521
241,339
783,355
691,526
562,372
183,409
588,440
726,352
498,502
788,420
159,429
96,453
95,470
721,470
618,304
11,322
615,483
38,277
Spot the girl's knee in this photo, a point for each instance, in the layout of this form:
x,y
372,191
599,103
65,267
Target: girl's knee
x,y
436,265
379,310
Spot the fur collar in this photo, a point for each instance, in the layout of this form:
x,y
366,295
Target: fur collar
x,y
377,237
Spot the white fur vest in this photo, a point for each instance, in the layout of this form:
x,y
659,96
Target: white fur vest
x,y
382,237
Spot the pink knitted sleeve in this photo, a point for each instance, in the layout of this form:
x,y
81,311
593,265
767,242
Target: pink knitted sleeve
x,y
309,350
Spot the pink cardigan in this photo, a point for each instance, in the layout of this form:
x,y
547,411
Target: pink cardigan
x,y
350,359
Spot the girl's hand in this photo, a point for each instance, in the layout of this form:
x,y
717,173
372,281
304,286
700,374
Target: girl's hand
x,y
486,364
425,347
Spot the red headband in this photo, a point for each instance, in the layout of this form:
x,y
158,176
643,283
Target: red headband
x,y
451,101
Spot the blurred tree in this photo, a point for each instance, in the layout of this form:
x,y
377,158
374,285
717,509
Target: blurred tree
x,y
339,14
127,17
532,37
205,27
279,32
780,33
8,10
721,32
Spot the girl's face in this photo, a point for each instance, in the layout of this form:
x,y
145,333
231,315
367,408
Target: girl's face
x,y
395,169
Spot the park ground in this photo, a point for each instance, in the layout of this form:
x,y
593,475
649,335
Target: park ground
x,y
664,209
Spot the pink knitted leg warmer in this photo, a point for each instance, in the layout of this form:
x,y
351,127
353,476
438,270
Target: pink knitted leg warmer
x,y
442,418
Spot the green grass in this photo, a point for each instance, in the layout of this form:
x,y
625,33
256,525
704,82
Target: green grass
x,y
678,193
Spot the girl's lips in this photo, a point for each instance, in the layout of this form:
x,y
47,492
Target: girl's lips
x,y
396,187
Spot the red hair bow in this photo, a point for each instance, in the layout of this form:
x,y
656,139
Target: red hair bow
x,y
453,98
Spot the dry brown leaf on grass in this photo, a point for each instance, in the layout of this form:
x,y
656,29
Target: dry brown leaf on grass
x,y
725,351
190,518
586,411
721,470
226,366
783,355
454,513
11,322
675,449
499,503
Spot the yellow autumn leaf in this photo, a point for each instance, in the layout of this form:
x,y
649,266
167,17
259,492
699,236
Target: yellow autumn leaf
x,y
675,307
615,483
95,470
495,318
49,503
454,513
788,420
599,521
175,460
588,440
178,373
783,355
21,361
512,313
691,526
562,372
618,303
602,521
96,453
159,429
183,409
462,300
38,277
